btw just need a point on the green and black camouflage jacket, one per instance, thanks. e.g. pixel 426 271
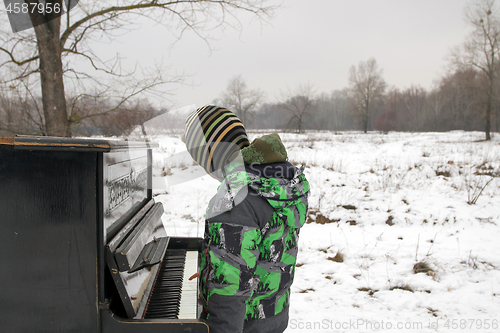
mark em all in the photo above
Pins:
pixel 250 247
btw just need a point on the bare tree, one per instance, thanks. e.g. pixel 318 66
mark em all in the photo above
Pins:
pixel 333 111
pixel 121 121
pixel 49 49
pixel 414 99
pixel 300 104
pixel 20 110
pixel 481 50
pixel 366 86
pixel 242 100
pixel 393 117
pixel 460 96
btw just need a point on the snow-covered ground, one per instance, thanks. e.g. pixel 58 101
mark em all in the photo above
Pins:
pixel 379 205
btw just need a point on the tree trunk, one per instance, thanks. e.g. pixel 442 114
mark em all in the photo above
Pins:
pixel 366 120
pixel 489 103
pixel 51 76
pixel 497 118
pixel 487 128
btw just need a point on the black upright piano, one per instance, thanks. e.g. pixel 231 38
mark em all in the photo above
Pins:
pixel 82 244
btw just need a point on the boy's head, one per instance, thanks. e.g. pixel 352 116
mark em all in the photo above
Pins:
pixel 212 135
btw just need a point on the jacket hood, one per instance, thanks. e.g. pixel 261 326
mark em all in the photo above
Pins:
pixel 264 150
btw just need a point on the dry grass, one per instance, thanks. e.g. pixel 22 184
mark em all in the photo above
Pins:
pixel 339 257
pixel 316 217
pixel 370 291
pixel 403 286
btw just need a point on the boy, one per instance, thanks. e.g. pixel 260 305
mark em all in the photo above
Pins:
pixel 252 223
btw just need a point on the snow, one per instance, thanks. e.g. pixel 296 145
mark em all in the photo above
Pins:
pixel 383 203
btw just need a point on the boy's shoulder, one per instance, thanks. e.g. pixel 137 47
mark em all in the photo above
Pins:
pixel 249 209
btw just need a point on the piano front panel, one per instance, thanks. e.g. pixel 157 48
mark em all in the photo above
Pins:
pixel 125 187
pixel 47 241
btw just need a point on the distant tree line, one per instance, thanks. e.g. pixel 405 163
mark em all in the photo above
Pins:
pixel 90 115
pixel 455 103
pixel 466 98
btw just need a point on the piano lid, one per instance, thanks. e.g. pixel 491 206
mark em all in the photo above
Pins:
pixel 72 144
pixel 125 250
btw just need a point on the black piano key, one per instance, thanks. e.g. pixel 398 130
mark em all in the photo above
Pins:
pixel 166 293
pixel 161 305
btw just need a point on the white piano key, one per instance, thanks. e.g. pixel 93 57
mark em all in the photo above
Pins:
pixel 189 296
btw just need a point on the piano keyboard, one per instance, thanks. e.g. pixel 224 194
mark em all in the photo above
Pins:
pixel 189 299
pixel 173 295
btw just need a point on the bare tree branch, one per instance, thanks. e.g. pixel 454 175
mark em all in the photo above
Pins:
pixel 366 85
pixel 300 103
pixel 481 49
pixel 69 37
pixel 241 100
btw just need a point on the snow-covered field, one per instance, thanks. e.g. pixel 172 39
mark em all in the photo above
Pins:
pixel 379 205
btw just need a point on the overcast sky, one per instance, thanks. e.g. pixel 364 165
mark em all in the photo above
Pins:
pixel 313 41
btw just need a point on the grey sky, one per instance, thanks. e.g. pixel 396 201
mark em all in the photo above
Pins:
pixel 314 41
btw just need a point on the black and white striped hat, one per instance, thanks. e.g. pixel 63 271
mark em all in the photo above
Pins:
pixel 212 134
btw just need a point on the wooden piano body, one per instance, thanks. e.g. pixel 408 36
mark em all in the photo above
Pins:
pixel 74 214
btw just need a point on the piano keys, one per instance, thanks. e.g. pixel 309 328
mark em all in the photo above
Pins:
pixel 188 307
pixel 173 294
pixel 167 292
pixel 82 242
